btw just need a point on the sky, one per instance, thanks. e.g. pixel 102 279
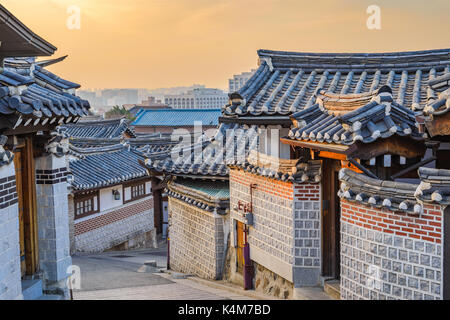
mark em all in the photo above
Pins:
pixel 163 43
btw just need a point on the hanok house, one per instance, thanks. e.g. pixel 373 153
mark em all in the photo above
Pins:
pixel 34 255
pixel 111 200
pixel 363 221
pixel 196 179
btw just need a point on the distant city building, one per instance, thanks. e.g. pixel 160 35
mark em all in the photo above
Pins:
pixel 239 80
pixel 199 98
pixel 150 104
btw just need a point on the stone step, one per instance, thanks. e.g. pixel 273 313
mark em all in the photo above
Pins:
pixel 333 288
pixel 31 289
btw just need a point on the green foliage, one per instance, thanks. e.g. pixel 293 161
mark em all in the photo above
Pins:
pixel 118 112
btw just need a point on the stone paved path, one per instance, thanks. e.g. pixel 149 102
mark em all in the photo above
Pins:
pixel 114 276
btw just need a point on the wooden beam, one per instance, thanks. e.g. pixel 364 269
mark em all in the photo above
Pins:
pixel 363 169
pixel 332 155
pixel 412 167
pixel 331 147
pixel 400 146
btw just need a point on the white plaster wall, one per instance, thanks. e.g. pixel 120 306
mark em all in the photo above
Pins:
pixel 107 199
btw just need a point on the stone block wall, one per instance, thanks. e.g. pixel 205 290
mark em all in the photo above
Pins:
pixel 113 227
pixel 53 222
pixel 10 277
pixel 197 240
pixel 391 255
pixel 307 228
pixel 285 235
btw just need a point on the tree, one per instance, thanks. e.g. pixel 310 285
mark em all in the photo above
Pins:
pixel 118 112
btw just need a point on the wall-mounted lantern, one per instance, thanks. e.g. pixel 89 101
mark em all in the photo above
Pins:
pixel 116 194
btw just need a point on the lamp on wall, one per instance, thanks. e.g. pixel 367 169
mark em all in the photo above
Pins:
pixel 116 194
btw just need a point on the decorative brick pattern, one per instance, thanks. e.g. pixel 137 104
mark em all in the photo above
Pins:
pixel 109 217
pixel 386 255
pixel 307 225
pixel 273 225
pixel 196 240
pixel 8 192
pixel 286 224
pixel 51 176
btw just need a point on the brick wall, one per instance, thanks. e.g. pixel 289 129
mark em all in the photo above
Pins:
pixel 10 277
pixel 285 236
pixel 390 255
pixel 113 227
pixel 196 240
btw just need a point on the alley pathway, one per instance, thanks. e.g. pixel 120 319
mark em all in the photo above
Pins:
pixel 114 276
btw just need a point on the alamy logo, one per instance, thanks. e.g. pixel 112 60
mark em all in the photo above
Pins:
pixel 374 20
pixel 74 20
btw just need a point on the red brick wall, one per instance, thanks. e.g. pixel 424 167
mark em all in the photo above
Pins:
pixel 113 216
pixel 427 226
pixel 307 192
pixel 270 186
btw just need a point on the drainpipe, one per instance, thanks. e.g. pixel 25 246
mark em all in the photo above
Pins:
pixel 248 266
pixel 168 251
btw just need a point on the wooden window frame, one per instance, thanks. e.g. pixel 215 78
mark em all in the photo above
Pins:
pixel 82 198
pixel 135 184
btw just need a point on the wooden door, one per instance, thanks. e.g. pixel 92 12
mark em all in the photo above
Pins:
pixel 26 193
pixel 19 178
pixel 331 219
pixel 240 237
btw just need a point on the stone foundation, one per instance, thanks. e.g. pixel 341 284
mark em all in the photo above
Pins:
pixel 130 226
pixel 270 283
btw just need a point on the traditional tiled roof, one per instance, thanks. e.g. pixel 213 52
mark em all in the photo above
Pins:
pixel 177 117
pixel 105 129
pixel 285 170
pixel 365 118
pixel 395 196
pixel 439 104
pixel 105 166
pixel 31 94
pixel 206 195
pixel 435 186
pixel 230 145
pixel 287 82
pixel 18 40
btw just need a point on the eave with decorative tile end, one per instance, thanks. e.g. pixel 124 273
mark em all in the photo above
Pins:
pixel 393 196
pixel 281 169
pixel 6 156
pixel 31 96
pixel 207 159
pixel 434 186
pixel 436 113
pixel 334 120
pixel 206 195
pixel 288 82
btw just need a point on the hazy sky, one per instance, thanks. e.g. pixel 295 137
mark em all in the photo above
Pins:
pixel 161 43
